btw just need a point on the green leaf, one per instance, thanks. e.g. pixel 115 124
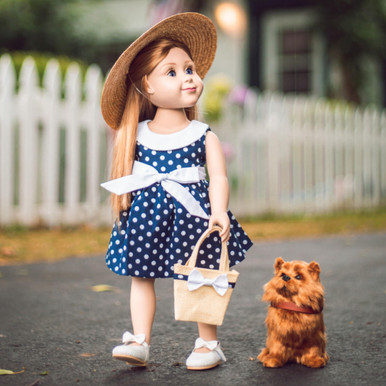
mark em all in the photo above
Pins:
pixel 9 372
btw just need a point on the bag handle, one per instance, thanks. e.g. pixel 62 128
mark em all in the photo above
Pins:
pixel 224 259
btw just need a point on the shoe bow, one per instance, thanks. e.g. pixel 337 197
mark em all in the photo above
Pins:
pixel 130 338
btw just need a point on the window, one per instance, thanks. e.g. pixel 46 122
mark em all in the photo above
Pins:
pixel 292 54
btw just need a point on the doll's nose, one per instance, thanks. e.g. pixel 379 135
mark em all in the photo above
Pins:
pixel 286 278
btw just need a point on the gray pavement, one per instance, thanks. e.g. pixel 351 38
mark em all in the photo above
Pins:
pixel 59 330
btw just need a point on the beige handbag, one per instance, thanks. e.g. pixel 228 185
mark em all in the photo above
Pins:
pixel 202 294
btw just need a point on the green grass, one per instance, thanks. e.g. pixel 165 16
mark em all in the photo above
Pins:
pixel 19 244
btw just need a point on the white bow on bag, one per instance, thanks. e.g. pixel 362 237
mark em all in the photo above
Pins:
pixel 197 280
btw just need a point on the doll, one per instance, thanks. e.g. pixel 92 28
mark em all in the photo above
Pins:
pixel 160 194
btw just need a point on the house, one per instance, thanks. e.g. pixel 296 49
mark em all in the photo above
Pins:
pixel 287 54
pixel 267 44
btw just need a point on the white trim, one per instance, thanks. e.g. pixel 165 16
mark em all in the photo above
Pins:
pixel 191 133
pixel 272 23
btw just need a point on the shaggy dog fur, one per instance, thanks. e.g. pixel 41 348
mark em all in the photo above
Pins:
pixel 295 327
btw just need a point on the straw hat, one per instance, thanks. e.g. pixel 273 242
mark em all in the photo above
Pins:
pixel 196 31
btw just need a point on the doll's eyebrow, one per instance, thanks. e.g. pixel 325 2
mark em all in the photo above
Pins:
pixel 172 64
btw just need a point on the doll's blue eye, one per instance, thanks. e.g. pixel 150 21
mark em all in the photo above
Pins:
pixel 171 73
pixel 189 71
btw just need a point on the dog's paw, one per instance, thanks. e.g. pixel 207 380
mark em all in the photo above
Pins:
pixel 264 353
pixel 314 361
pixel 272 361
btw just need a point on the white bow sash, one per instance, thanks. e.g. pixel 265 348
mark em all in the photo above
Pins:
pixel 144 175
pixel 197 280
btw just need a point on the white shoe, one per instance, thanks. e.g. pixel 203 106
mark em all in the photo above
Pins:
pixel 205 361
pixel 132 354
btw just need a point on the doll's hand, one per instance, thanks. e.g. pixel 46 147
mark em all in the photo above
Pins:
pixel 221 219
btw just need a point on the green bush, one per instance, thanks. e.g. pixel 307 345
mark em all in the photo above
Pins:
pixel 41 61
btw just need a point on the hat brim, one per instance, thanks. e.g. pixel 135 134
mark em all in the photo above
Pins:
pixel 195 30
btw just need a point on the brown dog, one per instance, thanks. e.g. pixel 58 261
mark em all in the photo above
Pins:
pixel 296 331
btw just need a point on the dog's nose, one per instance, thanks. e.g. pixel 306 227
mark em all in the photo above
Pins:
pixel 285 277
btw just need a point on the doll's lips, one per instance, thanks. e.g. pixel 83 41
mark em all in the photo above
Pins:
pixel 190 89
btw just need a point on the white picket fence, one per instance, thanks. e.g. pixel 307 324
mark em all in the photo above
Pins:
pixel 291 154
pixel 53 149
pixel 302 155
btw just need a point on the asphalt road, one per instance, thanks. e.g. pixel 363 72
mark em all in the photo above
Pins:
pixel 61 332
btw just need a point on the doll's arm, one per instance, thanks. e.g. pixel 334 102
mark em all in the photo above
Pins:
pixel 218 185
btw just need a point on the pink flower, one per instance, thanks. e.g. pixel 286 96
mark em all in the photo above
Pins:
pixel 238 95
pixel 229 150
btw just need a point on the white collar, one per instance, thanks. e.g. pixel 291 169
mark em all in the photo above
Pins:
pixel 184 137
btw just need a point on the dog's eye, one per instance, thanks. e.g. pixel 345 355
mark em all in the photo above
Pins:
pixel 298 277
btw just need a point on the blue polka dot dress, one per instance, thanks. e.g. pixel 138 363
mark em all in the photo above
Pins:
pixel 158 231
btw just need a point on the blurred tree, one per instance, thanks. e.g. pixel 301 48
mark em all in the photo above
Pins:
pixel 355 30
pixel 37 25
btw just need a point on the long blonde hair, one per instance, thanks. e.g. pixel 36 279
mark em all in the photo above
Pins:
pixel 138 108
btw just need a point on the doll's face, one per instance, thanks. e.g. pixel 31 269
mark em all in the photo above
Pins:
pixel 174 83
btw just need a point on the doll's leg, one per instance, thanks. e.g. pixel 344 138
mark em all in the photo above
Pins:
pixel 142 306
pixel 207 351
pixel 134 350
pixel 207 332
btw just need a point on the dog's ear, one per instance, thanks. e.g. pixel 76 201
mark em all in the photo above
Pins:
pixel 314 270
pixel 278 263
